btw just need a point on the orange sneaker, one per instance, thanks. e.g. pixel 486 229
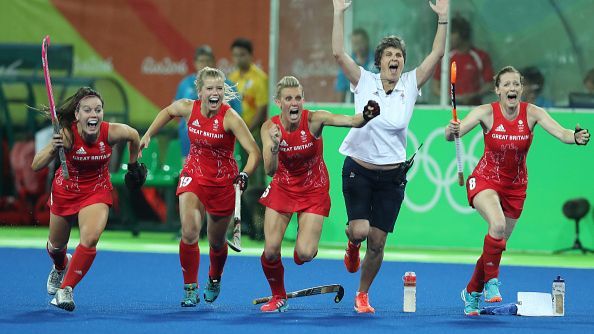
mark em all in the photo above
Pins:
pixel 362 303
pixel 276 304
pixel 351 257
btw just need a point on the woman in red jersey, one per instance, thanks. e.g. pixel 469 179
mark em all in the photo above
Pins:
pixel 86 195
pixel 293 155
pixel 497 186
pixel 206 182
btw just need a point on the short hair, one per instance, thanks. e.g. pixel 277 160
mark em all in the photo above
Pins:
pixel 287 82
pixel 362 32
pixel 203 50
pixel 533 74
pixel 386 42
pixel 506 69
pixel 461 26
pixel 243 43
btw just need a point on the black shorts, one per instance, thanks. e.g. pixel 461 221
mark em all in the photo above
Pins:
pixel 375 195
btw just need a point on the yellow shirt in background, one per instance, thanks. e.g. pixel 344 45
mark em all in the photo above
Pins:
pixel 253 87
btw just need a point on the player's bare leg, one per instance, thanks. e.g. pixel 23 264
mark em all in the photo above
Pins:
pixel 487 203
pixel 376 240
pixel 308 237
pixel 59 234
pixel 91 221
pixel 191 214
pixel 275 226
pixel 217 231
pixel 356 231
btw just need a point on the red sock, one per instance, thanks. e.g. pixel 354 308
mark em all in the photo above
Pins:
pixel 58 256
pixel 275 274
pixel 477 282
pixel 81 262
pixel 189 258
pixel 492 250
pixel 297 259
pixel 217 262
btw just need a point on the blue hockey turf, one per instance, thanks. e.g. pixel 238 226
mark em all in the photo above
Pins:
pixel 140 293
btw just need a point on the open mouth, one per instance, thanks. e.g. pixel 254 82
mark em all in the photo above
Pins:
pixel 393 68
pixel 294 113
pixel 512 97
pixel 92 124
pixel 213 101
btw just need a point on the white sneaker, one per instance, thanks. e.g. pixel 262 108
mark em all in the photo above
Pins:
pixel 64 299
pixel 55 278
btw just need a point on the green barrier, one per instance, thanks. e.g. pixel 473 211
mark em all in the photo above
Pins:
pixel 436 212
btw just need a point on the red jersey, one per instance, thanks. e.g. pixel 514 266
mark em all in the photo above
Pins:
pixel 301 168
pixel 506 148
pixel 88 164
pixel 211 161
pixel 473 68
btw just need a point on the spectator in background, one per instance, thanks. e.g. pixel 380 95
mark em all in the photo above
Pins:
pixel 252 84
pixel 204 57
pixel 362 56
pixel 475 71
pixel 533 84
pixel 589 81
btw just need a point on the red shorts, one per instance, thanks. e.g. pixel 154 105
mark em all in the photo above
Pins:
pixel 283 201
pixel 512 200
pixel 66 203
pixel 217 200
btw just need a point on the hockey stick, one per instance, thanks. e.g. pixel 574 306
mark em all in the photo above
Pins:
pixel 52 104
pixel 455 117
pixel 318 290
pixel 235 244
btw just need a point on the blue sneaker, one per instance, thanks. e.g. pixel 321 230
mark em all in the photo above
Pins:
pixel 491 291
pixel 471 302
pixel 212 290
pixel 190 295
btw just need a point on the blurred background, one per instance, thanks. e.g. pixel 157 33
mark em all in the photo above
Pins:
pixel 136 53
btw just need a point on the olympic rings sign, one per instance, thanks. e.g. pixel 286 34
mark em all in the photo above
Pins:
pixel 442 180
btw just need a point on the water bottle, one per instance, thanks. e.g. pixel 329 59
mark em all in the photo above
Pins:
pixel 410 291
pixel 559 297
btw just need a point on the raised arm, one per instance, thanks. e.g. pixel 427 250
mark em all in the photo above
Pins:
pixel 425 70
pixel 320 118
pixel 476 116
pixel 124 133
pixel 567 136
pixel 271 137
pixel 235 124
pixel 179 108
pixel 349 67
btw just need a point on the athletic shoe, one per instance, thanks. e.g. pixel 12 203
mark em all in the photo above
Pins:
pixel 351 258
pixel 64 299
pixel 362 303
pixel 471 302
pixel 55 278
pixel 190 295
pixel 491 291
pixel 212 290
pixel 276 304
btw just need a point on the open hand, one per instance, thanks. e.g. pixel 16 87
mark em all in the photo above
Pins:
pixel 440 8
pixel 341 5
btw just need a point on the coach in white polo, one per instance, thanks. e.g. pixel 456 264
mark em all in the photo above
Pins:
pixel 373 174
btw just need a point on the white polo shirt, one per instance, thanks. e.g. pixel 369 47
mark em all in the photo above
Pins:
pixel 382 141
